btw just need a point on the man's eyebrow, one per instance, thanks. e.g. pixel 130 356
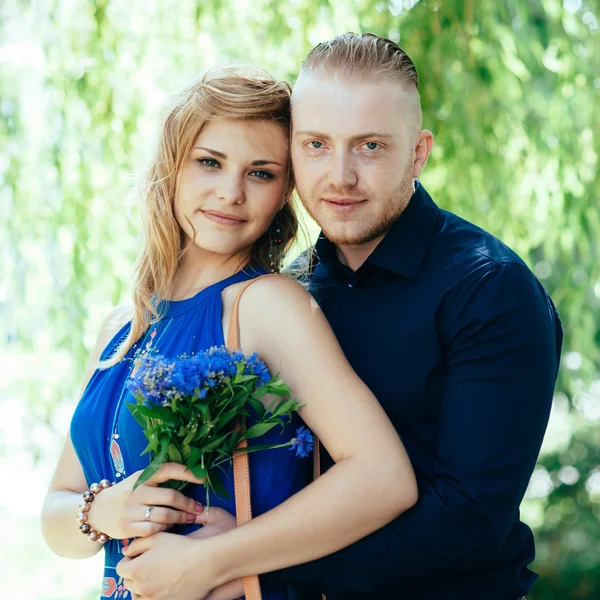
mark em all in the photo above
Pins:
pixel 360 136
pixel 255 163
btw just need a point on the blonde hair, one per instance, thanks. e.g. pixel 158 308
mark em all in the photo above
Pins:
pixel 368 57
pixel 237 93
pixel 362 54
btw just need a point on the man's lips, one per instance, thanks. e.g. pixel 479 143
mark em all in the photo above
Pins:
pixel 343 206
pixel 222 218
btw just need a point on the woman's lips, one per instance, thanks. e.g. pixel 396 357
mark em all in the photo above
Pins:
pixel 222 218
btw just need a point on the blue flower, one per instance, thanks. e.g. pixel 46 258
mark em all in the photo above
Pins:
pixel 151 378
pixel 255 366
pixel 222 361
pixel 159 380
pixel 303 443
pixel 189 374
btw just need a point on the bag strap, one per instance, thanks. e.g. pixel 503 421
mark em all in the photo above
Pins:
pixel 241 468
pixel 317 471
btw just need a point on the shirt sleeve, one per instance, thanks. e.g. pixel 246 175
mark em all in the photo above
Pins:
pixel 502 338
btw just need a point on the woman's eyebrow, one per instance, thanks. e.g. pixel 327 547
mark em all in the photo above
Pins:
pixel 260 163
pixel 213 152
pixel 255 163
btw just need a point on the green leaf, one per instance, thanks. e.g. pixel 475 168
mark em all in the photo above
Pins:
pixel 216 442
pixel 193 458
pixel 259 429
pixel 152 445
pixel 263 390
pixel 174 454
pixel 158 412
pixel 243 378
pixel 199 471
pixel 154 466
pixel 227 418
pixel 258 407
pixel 216 484
pixel 139 418
pixel 284 408
pixel 204 411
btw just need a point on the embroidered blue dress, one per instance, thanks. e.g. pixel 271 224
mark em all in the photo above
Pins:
pixel 109 442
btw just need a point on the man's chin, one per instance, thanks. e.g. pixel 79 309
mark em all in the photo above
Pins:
pixel 350 238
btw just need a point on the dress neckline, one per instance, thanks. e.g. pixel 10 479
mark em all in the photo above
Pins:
pixel 174 308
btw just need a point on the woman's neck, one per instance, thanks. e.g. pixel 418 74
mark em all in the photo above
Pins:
pixel 199 269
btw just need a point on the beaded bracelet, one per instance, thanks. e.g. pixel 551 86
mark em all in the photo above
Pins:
pixel 84 508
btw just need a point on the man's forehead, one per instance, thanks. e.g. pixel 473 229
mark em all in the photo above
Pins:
pixel 347 105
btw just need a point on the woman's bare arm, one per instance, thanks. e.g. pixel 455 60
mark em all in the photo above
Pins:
pixel 116 511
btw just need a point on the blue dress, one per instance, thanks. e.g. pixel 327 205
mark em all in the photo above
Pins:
pixel 109 442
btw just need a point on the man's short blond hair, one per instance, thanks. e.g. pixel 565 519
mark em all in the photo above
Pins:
pixel 362 54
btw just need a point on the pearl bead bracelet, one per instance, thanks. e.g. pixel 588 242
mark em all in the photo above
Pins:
pixel 84 508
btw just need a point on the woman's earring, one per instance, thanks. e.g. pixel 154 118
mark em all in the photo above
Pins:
pixel 275 255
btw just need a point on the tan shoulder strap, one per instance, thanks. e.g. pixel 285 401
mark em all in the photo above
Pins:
pixel 241 469
pixel 317 471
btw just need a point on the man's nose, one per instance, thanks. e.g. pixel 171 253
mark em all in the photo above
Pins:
pixel 342 171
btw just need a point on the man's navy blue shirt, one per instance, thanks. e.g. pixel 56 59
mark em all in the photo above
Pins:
pixel 460 343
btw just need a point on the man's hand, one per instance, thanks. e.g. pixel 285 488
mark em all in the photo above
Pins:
pixel 167 566
pixel 215 521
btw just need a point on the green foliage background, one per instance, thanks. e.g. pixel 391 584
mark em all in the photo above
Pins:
pixel 511 90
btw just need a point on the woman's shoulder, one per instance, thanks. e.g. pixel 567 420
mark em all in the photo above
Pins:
pixel 117 317
pixel 115 320
pixel 277 304
pixel 274 290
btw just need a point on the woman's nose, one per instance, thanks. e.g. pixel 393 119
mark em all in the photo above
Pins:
pixel 232 191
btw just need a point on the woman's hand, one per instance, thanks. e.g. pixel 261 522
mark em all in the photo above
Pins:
pixel 120 512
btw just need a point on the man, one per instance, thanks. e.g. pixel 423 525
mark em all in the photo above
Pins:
pixel 446 325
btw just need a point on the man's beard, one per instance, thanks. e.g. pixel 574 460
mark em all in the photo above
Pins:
pixel 393 208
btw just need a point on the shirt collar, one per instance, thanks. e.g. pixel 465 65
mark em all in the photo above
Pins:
pixel 403 249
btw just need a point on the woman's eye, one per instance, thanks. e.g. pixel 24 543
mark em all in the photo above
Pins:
pixel 371 145
pixel 315 145
pixel 265 175
pixel 209 162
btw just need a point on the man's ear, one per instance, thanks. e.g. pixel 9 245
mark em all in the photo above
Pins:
pixel 423 149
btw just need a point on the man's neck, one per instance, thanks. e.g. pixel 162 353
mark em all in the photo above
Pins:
pixel 354 256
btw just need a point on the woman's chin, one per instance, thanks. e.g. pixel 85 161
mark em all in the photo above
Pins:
pixel 223 248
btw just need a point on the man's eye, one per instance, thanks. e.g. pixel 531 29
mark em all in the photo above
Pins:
pixel 315 145
pixel 371 145
pixel 260 174
pixel 209 162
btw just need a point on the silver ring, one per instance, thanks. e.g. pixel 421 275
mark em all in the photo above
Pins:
pixel 148 511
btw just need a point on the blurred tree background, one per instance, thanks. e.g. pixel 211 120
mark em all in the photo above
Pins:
pixel 510 88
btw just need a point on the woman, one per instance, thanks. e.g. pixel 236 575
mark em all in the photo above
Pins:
pixel 216 215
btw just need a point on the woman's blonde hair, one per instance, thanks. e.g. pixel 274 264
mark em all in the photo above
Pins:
pixel 237 93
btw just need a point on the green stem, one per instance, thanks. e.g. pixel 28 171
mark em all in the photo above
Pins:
pixel 249 449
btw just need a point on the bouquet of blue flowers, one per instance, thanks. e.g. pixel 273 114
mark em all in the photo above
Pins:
pixel 191 408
